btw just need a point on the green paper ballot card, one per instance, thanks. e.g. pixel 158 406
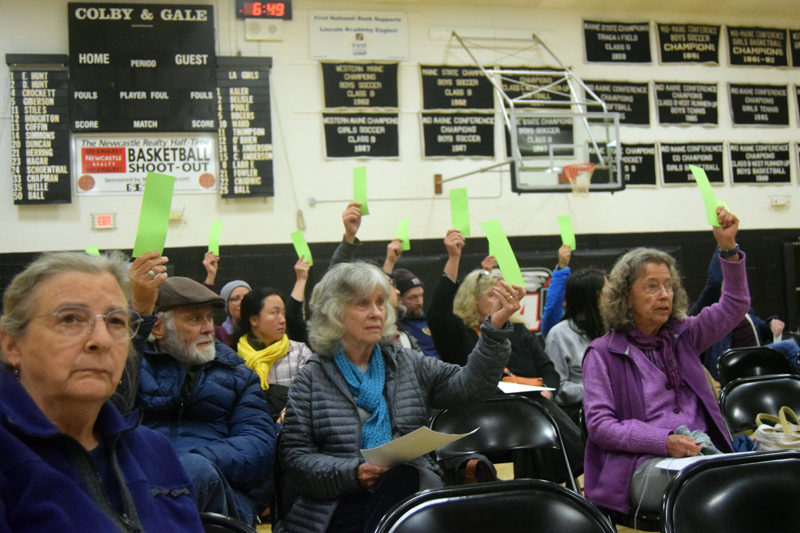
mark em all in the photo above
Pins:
pixel 93 250
pixel 154 214
pixel 402 234
pixel 301 247
pixel 360 188
pixel 501 250
pixel 567 234
pixel 710 201
pixel 213 236
pixel 459 210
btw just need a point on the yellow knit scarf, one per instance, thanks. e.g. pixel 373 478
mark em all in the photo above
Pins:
pixel 262 360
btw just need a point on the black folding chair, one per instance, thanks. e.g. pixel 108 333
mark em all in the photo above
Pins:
pixel 499 507
pixel 752 492
pixel 750 361
pixel 218 523
pixel 742 399
pixel 506 424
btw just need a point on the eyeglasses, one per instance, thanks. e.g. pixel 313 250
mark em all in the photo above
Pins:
pixel 653 287
pixel 79 321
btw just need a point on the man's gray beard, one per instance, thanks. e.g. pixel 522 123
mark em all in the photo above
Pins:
pixel 187 354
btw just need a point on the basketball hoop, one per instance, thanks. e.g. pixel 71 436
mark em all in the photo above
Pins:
pixel 579 176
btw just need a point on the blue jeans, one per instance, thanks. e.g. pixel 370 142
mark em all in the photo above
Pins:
pixel 212 490
pixel 787 347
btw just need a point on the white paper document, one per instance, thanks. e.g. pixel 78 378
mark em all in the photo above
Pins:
pixel 510 388
pixel 675 464
pixel 409 446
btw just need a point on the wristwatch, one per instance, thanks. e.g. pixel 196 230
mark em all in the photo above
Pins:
pixel 729 253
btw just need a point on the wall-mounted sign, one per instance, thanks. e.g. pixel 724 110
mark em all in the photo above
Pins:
pixel 245 127
pixel 794 46
pixel 757 46
pixel 688 43
pixel 360 84
pixel 142 67
pixel 535 87
pixel 455 87
pixel 361 134
pixel 686 103
pixel 458 134
pixel 638 165
pixel 616 42
pixel 630 100
pixel 119 163
pixel 39 128
pixel 359 35
pixel 759 104
pixel 760 163
pixel 676 158
pixel 543 137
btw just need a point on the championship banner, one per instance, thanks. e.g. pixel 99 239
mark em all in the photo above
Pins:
pixel 118 164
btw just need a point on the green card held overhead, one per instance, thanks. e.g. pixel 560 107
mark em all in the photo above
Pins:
pixel 459 210
pixel 154 214
pixel 402 234
pixel 567 234
pixel 501 250
pixel 301 246
pixel 93 250
pixel 213 236
pixel 360 188
pixel 710 201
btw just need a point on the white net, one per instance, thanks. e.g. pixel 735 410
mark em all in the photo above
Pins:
pixel 579 176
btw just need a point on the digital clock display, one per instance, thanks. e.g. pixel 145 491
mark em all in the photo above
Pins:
pixel 264 10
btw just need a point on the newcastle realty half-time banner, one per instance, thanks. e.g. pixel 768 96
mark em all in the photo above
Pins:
pixel 118 164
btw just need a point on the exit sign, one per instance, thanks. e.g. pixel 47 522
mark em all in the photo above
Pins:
pixel 104 221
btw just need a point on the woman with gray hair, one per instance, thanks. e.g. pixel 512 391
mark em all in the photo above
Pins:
pixel 361 390
pixel 69 461
pixel 646 396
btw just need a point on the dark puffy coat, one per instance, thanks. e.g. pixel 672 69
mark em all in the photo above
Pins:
pixel 222 415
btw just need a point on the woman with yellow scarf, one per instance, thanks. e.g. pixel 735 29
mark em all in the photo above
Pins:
pixel 265 347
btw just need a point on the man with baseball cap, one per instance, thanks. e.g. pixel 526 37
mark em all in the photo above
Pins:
pixel 412 299
pixel 199 393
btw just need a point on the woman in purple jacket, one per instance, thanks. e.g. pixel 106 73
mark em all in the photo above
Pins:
pixel 646 396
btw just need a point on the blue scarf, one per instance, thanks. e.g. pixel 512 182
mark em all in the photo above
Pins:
pixel 368 390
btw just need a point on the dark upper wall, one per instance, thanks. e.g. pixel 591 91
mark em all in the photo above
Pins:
pixel 272 265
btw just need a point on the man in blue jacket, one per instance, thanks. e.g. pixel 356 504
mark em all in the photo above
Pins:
pixel 200 394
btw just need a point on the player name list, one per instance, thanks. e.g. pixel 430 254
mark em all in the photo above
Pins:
pixel 39 136
pixel 245 134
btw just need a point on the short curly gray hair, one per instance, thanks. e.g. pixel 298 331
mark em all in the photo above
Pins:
pixel 614 301
pixel 344 283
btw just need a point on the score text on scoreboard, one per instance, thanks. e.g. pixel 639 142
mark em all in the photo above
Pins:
pixel 264 10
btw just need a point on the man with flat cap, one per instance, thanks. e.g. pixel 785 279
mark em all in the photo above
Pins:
pixel 199 393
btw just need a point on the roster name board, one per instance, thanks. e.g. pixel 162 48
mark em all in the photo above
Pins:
pixel 535 87
pixel 455 87
pixel 637 161
pixel 686 103
pixel 757 46
pixel 760 104
pixel 360 84
pixel 794 46
pixel 142 67
pixel 537 137
pixel 688 43
pixel 39 129
pixel 361 134
pixel 676 158
pixel 616 42
pixel 630 100
pixel 760 163
pixel 245 127
pixel 458 134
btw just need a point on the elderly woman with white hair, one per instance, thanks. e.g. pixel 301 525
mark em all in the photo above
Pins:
pixel 361 390
pixel 69 461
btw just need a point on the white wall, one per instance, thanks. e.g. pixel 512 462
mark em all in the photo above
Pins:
pixel 404 187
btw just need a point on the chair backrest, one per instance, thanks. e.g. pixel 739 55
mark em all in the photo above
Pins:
pixel 505 423
pixel 499 507
pixel 218 523
pixel 742 399
pixel 752 492
pixel 750 361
